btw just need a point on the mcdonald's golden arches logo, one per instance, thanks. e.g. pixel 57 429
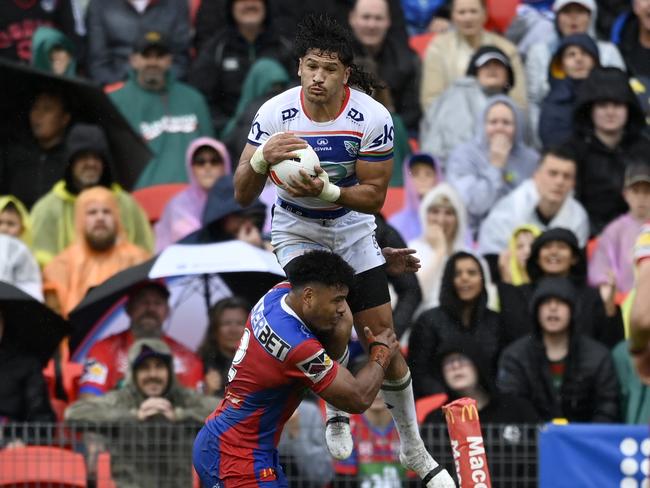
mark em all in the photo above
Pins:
pixel 469 411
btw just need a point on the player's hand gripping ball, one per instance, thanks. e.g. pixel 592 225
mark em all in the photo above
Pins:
pixel 282 172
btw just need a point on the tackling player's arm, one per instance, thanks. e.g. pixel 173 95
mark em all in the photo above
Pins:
pixel 251 173
pixel 355 394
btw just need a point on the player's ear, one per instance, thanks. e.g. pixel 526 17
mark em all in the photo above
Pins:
pixel 307 295
pixel 346 76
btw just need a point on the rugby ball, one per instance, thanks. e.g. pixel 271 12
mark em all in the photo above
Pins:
pixel 282 172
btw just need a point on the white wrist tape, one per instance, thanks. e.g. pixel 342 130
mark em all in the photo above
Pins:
pixel 257 162
pixel 330 192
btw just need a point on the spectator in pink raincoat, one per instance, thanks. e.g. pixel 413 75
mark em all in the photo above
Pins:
pixel 206 160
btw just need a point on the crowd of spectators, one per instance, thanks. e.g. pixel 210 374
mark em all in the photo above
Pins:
pixel 522 157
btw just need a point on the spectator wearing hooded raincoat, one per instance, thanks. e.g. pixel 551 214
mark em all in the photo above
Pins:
pixel 15 219
pixel 52 51
pixel 420 173
pixel 495 162
pixel 462 315
pixel 443 219
pixel 575 57
pixel 53 215
pixel 608 131
pixel 100 249
pixel 206 161
pixel 571 17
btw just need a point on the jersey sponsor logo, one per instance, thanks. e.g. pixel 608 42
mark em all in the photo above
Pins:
pixel 355 115
pixel 383 138
pixel 317 366
pixel 352 147
pixel 272 342
pixel 94 372
pixel 322 142
pixel 289 114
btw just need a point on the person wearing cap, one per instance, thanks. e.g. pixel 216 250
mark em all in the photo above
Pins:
pixel 166 112
pixel 562 372
pixel 556 253
pixel 107 360
pixel 612 261
pixel 571 17
pixel 576 56
pixel 544 200
pixel 607 134
pixel 152 397
pixel 448 55
pixel 99 250
pixel 397 64
pixel 420 174
pixel 450 119
pixel 494 162
pixel 114 26
pixel 631 33
pixel 88 159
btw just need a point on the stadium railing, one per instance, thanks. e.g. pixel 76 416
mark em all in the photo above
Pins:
pixel 158 454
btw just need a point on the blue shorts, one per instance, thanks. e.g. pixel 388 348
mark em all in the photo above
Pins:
pixel 208 460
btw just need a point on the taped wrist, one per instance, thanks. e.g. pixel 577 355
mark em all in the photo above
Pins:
pixel 379 353
pixel 330 192
pixel 257 162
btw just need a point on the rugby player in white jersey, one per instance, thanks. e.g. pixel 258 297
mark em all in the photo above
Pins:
pixel 353 137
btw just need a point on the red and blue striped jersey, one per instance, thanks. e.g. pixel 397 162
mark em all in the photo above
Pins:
pixel 278 360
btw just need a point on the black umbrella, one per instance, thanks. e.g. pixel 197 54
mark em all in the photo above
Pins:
pixel 202 273
pixel 29 325
pixel 87 102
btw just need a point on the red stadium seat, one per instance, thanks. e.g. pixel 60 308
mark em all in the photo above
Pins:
pixel 420 42
pixel 394 201
pixel 154 198
pixel 424 406
pixel 104 477
pixel 34 466
pixel 500 14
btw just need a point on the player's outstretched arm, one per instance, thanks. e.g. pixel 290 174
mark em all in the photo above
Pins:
pixel 354 394
pixel 252 170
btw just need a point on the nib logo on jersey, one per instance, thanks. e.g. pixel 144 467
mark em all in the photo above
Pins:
pixel 316 367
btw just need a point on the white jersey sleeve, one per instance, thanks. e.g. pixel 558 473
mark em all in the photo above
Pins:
pixel 377 140
pixel 265 123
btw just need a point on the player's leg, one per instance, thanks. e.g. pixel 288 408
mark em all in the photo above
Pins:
pixel 370 304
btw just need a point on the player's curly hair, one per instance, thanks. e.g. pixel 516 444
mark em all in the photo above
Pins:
pixel 323 267
pixel 323 33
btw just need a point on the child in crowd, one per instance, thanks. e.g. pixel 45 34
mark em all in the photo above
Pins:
pixel 512 261
pixel 612 261
pixel 14 219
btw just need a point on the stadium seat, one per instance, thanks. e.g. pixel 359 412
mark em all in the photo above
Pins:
pixel 420 42
pixel 104 477
pixel 500 14
pixel 425 405
pixel 154 198
pixel 393 202
pixel 34 466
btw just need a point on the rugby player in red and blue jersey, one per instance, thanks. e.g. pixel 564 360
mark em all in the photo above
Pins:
pixel 280 357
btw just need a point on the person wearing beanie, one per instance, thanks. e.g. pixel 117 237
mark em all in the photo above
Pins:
pixel 88 164
pixel 150 401
pixel 575 57
pixel 450 119
pixel 556 253
pixel 571 17
pixel 562 372
pixel 608 130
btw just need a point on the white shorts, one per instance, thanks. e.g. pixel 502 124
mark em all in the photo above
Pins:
pixel 351 236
